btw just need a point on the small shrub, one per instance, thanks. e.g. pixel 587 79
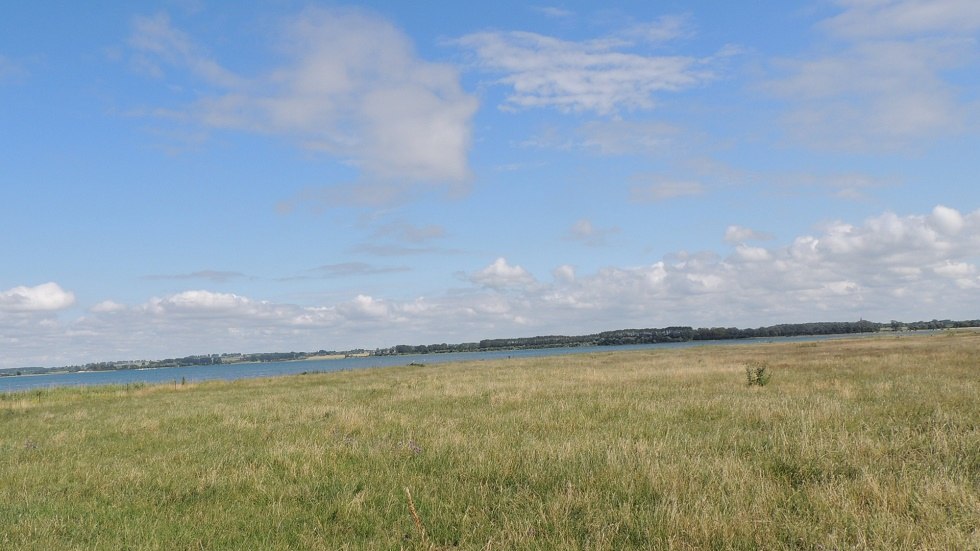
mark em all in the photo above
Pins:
pixel 758 374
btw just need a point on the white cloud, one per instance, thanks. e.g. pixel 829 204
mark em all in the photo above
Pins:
pixel 596 75
pixel 42 298
pixel 352 87
pixel 946 220
pixel 107 306
pixel 888 18
pixel 155 36
pixel 889 266
pixel 740 234
pixel 364 307
pixel 955 269
pixel 663 29
pixel 849 270
pixel 564 273
pixel 884 83
pixel 201 301
pixel 501 275
pixel 744 253
pixel 553 11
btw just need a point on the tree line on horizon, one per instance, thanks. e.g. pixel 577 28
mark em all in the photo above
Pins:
pixel 617 337
pixel 678 334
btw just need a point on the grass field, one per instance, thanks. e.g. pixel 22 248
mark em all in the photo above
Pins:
pixel 853 444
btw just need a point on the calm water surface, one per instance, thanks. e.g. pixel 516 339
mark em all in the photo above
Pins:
pixel 272 369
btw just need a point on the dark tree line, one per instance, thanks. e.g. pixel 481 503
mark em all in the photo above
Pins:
pixel 676 334
pixel 606 338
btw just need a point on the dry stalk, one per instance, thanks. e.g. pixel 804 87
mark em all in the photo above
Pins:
pixel 415 516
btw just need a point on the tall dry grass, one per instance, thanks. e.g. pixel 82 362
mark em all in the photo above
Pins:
pixel 867 443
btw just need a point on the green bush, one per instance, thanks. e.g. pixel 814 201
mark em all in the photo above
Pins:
pixel 758 374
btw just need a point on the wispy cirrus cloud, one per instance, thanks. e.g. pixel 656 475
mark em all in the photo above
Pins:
pixel 351 269
pixel 398 249
pixel 156 42
pixel 662 29
pixel 553 12
pixel 612 137
pixel 842 185
pixel 216 276
pixel 653 189
pixel 403 238
pixel 603 76
pixel 408 232
pixel 890 18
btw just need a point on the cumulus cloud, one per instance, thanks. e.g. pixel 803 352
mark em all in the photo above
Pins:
pixel 364 307
pixel 884 83
pixel 745 253
pixel 890 266
pixel 107 306
pixel 565 273
pixel 600 76
pixel 740 234
pixel 201 302
pixel 351 86
pixel 946 220
pixel 42 298
pixel 501 275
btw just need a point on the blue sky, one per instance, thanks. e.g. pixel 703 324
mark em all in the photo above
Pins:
pixel 187 177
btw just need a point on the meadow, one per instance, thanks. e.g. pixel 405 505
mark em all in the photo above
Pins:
pixel 870 443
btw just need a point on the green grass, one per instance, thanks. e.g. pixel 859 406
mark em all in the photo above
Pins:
pixel 868 443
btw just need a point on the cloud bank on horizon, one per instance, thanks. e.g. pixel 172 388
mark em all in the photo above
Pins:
pixel 229 178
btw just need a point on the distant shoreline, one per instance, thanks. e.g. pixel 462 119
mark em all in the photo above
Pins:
pixel 607 338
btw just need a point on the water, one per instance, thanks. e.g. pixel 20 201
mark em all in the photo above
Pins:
pixel 272 369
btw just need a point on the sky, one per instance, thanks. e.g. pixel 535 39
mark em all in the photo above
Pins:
pixel 191 177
